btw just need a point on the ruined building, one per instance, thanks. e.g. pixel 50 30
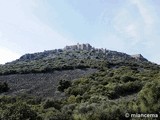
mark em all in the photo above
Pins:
pixel 79 47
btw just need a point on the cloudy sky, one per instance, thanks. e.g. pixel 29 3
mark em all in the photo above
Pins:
pixel 130 26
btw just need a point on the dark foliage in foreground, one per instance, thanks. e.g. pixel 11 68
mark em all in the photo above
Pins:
pixel 104 95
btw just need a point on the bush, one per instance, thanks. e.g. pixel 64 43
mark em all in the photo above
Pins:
pixel 117 90
pixel 7 100
pixel 128 88
pixel 71 99
pixel 19 111
pixel 4 87
pixel 76 91
pixel 126 78
pixel 52 103
pixel 63 84
pixel 149 97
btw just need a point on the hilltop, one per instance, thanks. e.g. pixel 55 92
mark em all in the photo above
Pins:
pixel 78 50
pixel 70 57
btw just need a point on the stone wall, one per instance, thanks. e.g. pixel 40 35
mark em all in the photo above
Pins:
pixel 79 47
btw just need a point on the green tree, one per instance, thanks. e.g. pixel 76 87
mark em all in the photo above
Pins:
pixel 63 84
pixel 4 87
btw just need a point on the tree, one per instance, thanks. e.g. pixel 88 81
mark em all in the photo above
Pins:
pixel 4 87
pixel 63 84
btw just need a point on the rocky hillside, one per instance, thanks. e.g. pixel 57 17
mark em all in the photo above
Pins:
pixel 79 51
pixel 40 84
pixel 79 82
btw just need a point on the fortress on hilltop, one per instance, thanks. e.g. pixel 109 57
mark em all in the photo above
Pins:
pixel 79 47
pixel 86 46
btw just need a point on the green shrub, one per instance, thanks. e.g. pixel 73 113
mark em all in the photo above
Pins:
pixel 7 100
pixel 128 88
pixel 149 97
pixel 76 91
pixel 19 111
pixel 4 87
pixel 52 103
pixel 126 78
pixel 63 84
pixel 71 99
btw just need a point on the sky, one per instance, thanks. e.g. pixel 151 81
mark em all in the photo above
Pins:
pixel 129 26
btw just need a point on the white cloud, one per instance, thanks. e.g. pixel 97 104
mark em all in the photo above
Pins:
pixel 7 55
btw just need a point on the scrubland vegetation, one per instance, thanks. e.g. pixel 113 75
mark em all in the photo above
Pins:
pixel 116 88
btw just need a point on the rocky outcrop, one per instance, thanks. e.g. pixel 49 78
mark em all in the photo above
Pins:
pixel 139 57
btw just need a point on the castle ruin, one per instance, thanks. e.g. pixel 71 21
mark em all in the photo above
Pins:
pixel 87 47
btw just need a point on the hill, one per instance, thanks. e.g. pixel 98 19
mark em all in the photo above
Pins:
pixel 71 57
pixel 79 82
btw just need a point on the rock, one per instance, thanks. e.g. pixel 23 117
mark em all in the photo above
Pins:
pixel 139 57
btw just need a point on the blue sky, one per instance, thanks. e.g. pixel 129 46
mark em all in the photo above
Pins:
pixel 130 26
